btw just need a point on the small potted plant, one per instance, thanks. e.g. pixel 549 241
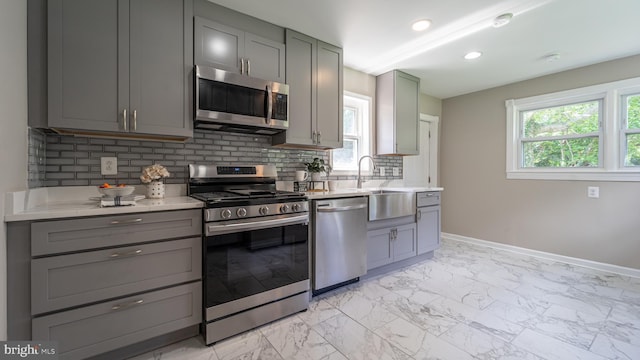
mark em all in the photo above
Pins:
pixel 316 167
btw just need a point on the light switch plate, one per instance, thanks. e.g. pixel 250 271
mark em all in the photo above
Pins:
pixel 593 192
pixel 109 165
pixel 382 171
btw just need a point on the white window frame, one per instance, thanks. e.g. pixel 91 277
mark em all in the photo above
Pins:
pixel 623 125
pixel 612 132
pixel 364 136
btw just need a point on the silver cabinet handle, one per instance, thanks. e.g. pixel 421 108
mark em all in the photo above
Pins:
pixel 248 67
pixel 319 137
pixel 314 137
pixel 241 66
pixel 135 120
pixel 125 254
pixel 126 305
pixel 419 214
pixel 267 119
pixel 124 222
pixel 124 120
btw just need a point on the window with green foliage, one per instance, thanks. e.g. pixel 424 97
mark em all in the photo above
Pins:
pixel 631 113
pixel 561 136
pixel 356 116
pixel 590 133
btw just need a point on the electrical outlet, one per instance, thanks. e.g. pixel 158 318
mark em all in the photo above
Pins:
pixel 396 171
pixel 382 171
pixel 109 165
pixel 593 191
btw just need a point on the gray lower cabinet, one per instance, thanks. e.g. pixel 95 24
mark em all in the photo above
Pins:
pixel 66 281
pixel 388 245
pixel 428 221
pixel 230 49
pixel 60 236
pixel 315 77
pixel 101 283
pixel 99 328
pixel 120 67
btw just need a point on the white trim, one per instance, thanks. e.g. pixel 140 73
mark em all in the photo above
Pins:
pixel 621 270
pixel 611 135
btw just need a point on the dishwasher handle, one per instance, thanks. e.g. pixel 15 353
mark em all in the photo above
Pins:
pixel 324 208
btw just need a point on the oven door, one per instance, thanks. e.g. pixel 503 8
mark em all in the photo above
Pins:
pixel 252 262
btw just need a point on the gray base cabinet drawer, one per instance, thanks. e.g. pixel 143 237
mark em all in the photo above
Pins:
pixel 51 237
pixel 65 281
pixel 96 329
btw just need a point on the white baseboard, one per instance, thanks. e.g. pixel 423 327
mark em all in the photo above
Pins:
pixel 621 270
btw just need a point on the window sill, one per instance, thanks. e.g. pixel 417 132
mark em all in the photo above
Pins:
pixel 575 175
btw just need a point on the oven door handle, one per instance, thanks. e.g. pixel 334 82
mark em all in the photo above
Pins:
pixel 216 229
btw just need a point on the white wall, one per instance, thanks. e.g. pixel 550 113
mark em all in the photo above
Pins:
pixel 13 122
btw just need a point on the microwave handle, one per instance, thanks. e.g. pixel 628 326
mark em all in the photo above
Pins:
pixel 269 105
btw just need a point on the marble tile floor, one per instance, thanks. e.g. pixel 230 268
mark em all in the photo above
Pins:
pixel 468 302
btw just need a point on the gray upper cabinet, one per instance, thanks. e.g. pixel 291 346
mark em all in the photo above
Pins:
pixel 397 114
pixel 230 49
pixel 120 66
pixel 315 77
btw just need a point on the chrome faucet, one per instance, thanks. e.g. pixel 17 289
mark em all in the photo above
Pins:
pixel 360 166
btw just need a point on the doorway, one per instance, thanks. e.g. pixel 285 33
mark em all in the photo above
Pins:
pixel 422 169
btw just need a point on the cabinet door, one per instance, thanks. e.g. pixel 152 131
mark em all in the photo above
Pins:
pixel 217 45
pixel 159 69
pixel 302 80
pixel 330 97
pixel 264 58
pixel 428 221
pixel 83 61
pixel 379 250
pixel 404 244
pixel 406 98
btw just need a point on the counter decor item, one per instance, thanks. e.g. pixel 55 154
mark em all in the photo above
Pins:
pixel 316 167
pixel 153 176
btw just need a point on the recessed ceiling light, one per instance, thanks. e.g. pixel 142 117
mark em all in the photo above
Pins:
pixel 473 55
pixel 502 20
pixel 421 25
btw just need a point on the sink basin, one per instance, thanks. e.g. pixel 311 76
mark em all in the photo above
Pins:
pixel 389 204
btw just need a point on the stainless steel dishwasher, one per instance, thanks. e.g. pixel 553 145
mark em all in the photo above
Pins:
pixel 339 242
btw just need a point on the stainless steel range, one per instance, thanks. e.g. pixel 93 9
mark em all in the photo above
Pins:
pixel 255 250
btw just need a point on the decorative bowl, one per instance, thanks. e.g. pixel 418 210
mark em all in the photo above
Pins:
pixel 117 191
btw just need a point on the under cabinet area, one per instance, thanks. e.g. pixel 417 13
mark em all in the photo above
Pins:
pixel 230 49
pixel 106 284
pixel 314 73
pixel 120 67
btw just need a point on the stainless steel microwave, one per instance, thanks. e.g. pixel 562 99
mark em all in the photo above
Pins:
pixel 228 101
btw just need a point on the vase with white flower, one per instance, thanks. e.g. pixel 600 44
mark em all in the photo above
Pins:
pixel 154 176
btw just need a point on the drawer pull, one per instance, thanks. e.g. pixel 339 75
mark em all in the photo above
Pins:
pixel 122 306
pixel 124 254
pixel 124 222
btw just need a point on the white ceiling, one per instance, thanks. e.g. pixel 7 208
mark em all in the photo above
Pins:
pixel 376 36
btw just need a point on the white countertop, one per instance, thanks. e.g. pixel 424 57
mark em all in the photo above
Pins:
pixel 73 201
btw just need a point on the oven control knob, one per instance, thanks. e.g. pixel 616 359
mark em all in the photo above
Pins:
pixel 295 207
pixel 242 212
pixel 284 208
pixel 263 210
pixel 226 213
